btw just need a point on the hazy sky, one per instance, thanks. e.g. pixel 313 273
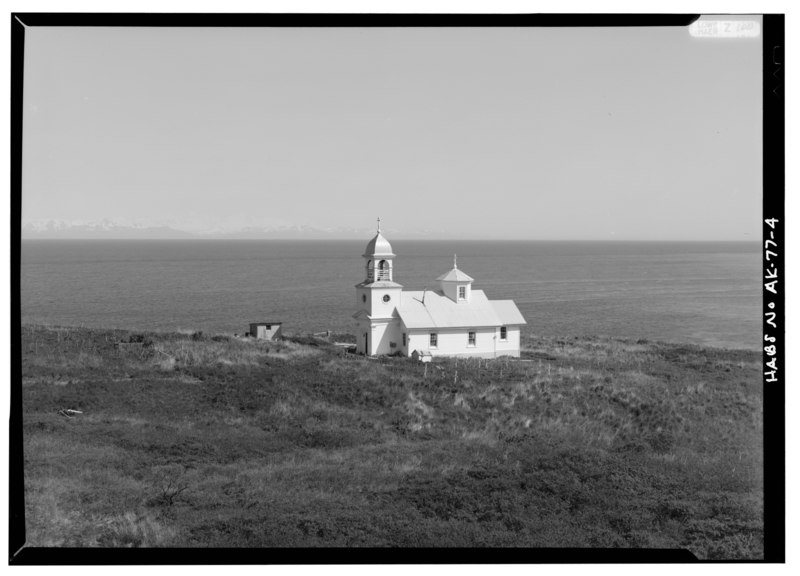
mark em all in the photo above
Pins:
pixel 640 133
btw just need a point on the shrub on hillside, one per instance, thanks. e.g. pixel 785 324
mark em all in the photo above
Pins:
pixel 132 530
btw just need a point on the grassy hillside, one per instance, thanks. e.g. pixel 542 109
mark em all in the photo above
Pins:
pixel 190 440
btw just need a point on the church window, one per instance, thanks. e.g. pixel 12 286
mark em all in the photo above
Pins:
pixel 471 339
pixel 404 339
pixel 462 292
pixel 363 297
pixel 386 298
pixel 434 339
pixel 503 333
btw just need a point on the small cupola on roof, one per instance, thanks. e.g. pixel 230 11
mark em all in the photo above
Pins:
pixel 378 255
pixel 455 284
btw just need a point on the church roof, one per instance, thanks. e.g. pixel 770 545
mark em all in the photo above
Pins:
pixel 363 314
pixel 379 284
pixel 439 311
pixel 507 312
pixel 378 246
pixel 455 275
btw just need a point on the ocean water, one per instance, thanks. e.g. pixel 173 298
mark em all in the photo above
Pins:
pixel 702 293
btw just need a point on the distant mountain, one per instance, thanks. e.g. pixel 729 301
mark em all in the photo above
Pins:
pixel 113 229
pixel 284 232
pixel 312 232
pixel 101 229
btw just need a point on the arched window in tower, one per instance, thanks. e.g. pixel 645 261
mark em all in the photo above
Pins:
pixel 383 270
pixel 369 270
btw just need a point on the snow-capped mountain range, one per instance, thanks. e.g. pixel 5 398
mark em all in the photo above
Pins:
pixel 104 228
pixel 161 230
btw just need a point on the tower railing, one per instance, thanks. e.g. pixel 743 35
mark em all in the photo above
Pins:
pixel 378 275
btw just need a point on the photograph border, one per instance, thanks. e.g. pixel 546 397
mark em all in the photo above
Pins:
pixel 772 31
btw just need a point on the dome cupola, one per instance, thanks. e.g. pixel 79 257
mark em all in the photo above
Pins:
pixel 379 255
pixel 379 246
pixel 455 284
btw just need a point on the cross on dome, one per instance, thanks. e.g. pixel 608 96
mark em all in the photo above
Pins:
pixel 379 246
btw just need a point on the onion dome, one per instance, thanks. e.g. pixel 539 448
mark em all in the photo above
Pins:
pixel 379 246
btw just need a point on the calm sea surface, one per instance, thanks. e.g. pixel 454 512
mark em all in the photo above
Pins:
pixel 704 293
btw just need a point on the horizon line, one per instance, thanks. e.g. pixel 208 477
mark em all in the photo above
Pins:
pixel 398 238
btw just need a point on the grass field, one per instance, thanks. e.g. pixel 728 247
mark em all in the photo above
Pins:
pixel 192 440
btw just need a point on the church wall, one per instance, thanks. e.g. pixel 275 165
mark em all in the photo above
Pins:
pixel 416 341
pixel 450 289
pixel 363 327
pixel 512 344
pixel 383 334
pixel 380 308
pixel 374 304
pixel 453 342
pixel 360 304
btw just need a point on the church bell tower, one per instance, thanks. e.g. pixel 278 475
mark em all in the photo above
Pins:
pixel 377 295
pixel 378 256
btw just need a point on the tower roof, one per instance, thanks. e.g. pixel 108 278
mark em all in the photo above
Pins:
pixel 378 246
pixel 455 275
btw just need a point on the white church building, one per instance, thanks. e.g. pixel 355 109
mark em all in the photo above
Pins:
pixel 455 320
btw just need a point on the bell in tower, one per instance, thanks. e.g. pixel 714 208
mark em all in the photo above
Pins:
pixel 378 255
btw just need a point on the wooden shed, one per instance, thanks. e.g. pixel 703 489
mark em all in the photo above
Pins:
pixel 421 356
pixel 265 330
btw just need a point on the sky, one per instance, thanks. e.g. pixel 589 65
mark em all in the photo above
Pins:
pixel 513 133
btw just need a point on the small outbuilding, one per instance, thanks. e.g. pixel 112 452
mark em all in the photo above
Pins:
pixel 265 330
pixel 421 356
